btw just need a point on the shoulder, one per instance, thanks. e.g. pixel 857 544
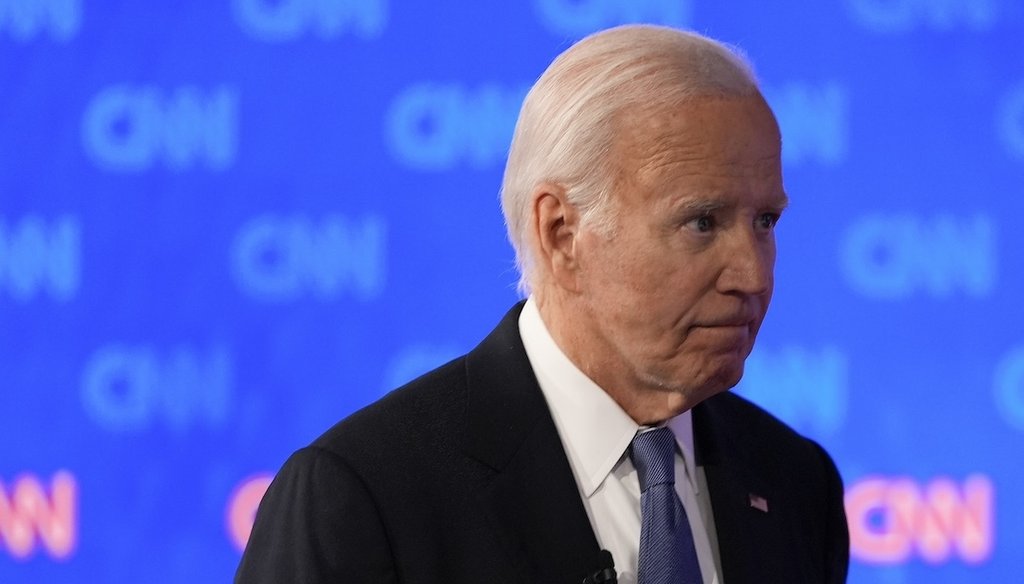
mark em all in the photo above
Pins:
pixel 350 489
pixel 427 410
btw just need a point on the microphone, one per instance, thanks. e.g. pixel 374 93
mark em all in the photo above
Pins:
pixel 605 575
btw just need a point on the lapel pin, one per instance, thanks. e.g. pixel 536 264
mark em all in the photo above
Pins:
pixel 758 502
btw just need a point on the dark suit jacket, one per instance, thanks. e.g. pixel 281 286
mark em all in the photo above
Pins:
pixel 460 477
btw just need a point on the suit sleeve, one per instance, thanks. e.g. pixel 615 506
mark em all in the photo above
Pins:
pixel 317 523
pixel 837 559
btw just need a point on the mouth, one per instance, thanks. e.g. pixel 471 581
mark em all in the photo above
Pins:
pixel 728 331
pixel 743 324
pixel 734 337
pixel 726 323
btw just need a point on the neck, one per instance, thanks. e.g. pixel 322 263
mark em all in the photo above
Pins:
pixel 646 402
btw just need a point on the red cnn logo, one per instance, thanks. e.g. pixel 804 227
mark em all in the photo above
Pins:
pixel 892 519
pixel 26 511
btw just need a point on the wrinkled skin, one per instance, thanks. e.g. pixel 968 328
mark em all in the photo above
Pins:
pixel 662 311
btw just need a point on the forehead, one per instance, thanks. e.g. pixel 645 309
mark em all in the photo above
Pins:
pixel 708 144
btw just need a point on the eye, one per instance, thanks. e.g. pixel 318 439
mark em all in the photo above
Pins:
pixel 766 221
pixel 703 224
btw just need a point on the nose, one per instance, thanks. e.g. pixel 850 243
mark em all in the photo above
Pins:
pixel 748 264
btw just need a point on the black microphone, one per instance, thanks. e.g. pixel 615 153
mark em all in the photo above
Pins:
pixel 606 575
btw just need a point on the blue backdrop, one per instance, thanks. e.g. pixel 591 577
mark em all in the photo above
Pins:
pixel 226 224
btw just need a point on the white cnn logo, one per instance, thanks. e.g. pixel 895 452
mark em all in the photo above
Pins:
pixel 134 128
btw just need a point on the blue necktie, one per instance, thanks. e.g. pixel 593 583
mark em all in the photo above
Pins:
pixel 667 554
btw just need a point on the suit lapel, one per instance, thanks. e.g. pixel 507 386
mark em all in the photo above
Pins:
pixel 532 498
pixel 747 525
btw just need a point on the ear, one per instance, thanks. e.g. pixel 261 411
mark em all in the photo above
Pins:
pixel 555 227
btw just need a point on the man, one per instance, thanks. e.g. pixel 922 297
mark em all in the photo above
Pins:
pixel 641 195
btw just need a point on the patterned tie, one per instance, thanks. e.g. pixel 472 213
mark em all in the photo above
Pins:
pixel 667 554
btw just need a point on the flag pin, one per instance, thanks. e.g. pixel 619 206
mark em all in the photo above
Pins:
pixel 758 502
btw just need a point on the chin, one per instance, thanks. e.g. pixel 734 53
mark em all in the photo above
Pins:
pixel 696 380
pixel 722 379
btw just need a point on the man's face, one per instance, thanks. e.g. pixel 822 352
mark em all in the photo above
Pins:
pixel 676 294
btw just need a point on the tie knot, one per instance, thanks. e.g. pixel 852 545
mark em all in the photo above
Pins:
pixel 654 456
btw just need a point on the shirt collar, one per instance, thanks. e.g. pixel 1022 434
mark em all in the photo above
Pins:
pixel 594 430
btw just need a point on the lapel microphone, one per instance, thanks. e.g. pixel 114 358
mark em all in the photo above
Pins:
pixel 605 575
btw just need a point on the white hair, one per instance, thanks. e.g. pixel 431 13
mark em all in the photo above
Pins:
pixel 566 128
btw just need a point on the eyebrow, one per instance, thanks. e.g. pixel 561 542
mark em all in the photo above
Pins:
pixel 701 205
pixel 697 204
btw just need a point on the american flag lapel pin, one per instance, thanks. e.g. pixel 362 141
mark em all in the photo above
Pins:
pixel 758 502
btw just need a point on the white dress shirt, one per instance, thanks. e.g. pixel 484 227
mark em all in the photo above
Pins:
pixel 596 434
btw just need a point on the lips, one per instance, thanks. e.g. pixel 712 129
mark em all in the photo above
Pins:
pixel 727 322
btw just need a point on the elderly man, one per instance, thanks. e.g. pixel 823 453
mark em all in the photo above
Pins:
pixel 641 195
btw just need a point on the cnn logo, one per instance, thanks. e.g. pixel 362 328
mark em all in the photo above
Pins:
pixel 893 519
pixel 31 518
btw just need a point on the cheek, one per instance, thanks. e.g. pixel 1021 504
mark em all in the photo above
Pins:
pixel 770 264
pixel 641 282
pixel 619 265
